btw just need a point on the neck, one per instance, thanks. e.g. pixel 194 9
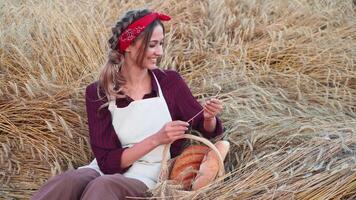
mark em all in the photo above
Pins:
pixel 134 76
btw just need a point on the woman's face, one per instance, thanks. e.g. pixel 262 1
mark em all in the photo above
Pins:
pixel 154 49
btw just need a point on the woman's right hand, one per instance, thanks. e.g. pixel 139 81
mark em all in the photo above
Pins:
pixel 171 131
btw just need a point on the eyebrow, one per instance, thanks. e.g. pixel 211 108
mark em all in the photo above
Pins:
pixel 156 40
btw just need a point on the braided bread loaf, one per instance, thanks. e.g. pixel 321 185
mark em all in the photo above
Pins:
pixel 187 164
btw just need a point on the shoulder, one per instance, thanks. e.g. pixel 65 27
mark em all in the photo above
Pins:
pixel 168 77
pixel 91 89
pixel 91 92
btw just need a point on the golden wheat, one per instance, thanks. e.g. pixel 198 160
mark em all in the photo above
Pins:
pixel 285 71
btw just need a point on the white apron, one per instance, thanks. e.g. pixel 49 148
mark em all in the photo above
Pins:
pixel 132 124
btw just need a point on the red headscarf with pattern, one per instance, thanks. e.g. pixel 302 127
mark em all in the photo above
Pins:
pixel 134 29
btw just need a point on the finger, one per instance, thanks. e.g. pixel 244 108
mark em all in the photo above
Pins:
pixel 176 134
pixel 178 128
pixel 179 123
pixel 215 104
pixel 209 114
pixel 214 100
pixel 213 107
pixel 212 110
pixel 179 136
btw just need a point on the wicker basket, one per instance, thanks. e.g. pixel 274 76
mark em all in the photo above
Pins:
pixel 167 188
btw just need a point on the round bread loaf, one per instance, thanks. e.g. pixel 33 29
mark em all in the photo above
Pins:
pixel 187 164
pixel 210 166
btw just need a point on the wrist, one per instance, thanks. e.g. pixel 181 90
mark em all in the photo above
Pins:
pixel 210 124
pixel 154 140
pixel 210 119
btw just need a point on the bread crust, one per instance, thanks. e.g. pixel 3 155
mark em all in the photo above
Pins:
pixel 186 165
pixel 209 167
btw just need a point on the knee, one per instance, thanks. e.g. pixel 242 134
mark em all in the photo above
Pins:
pixel 76 178
pixel 103 182
pixel 72 179
pixel 104 187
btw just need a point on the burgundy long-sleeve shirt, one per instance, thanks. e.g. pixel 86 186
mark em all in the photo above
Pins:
pixel 181 103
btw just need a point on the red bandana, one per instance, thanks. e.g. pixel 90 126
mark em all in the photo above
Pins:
pixel 134 29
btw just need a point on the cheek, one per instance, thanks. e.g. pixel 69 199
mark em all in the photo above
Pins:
pixel 149 52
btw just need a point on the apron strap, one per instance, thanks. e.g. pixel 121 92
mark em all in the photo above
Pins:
pixel 160 94
pixel 112 105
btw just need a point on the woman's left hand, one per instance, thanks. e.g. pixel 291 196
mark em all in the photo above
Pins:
pixel 212 108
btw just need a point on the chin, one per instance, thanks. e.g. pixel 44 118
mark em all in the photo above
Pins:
pixel 152 66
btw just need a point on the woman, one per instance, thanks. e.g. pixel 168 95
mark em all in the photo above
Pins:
pixel 133 110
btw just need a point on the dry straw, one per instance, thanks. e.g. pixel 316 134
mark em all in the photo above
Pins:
pixel 285 71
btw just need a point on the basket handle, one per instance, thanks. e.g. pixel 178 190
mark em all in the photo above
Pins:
pixel 200 139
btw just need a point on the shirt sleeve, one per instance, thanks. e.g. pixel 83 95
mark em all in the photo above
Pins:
pixel 104 142
pixel 188 107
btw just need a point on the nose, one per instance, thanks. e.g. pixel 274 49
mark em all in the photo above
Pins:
pixel 159 50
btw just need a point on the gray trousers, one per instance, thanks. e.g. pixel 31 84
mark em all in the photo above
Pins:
pixel 88 184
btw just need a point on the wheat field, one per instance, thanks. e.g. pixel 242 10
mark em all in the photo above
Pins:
pixel 285 71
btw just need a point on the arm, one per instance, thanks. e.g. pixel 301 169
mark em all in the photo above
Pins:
pixel 211 108
pixel 170 132
pixel 103 140
pixel 188 106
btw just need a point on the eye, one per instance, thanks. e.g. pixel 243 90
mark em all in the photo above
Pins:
pixel 152 44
